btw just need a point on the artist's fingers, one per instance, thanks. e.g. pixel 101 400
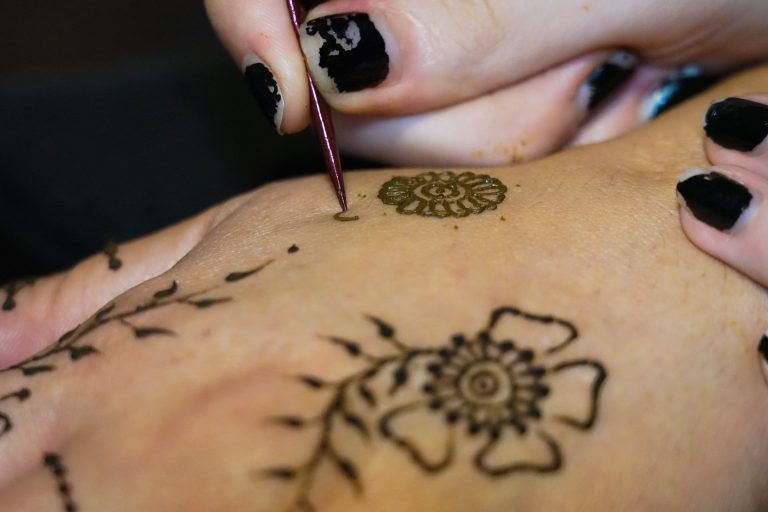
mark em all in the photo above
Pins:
pixel 404 57
pixel 517 123
pixel 260 37
pixel 34 314
pixel 395 57
pixel 724 213
pixel 653 92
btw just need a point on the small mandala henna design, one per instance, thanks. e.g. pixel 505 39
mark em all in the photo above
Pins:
pixel 494 388
pixel 443 194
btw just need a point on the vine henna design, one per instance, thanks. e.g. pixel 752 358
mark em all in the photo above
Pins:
pixel 72 342
pixel 53 462
pixel 444 194
pixel 494 391
pixel 11 289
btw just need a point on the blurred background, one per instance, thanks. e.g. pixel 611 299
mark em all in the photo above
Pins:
pixel 119 118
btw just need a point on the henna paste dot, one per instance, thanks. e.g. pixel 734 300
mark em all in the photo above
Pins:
pixel 341 218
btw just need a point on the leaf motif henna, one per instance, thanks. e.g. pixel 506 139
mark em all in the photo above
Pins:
pixel 71 342
pixel 11 289
pixel 487 386
pixel 110 251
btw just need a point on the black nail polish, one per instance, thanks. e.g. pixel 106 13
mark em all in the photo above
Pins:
pixel 609 77
pixel 265 90
pixel 736 123
pixel 763 347
pixel 676 88
pixel 353 52
pixel 715 199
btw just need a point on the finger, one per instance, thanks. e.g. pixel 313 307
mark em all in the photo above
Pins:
pixel 261 39
pixel 723 213
pixel 517 123
pixel 737 133
pixel 652 92
pixel 400 57
pixel 36 313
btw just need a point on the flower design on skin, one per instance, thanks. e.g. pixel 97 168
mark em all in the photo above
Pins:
pixel 497 387
pixel 444 194
pixel 496 393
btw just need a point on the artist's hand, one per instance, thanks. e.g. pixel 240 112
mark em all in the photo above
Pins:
pixel 724 209
pixel 429 68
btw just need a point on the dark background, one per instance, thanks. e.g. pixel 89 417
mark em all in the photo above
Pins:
pixel 119 118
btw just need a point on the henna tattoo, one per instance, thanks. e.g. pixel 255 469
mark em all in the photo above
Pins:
pixel 72 342
pixel 341 218
pixel 444 194
pixel 5 421
pixel 111 252
pixel 495 386
pixel 11 289
pixel 53 462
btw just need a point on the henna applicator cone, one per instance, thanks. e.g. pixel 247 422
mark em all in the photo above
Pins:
pixel 321 120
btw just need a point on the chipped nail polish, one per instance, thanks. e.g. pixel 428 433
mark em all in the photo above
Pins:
pixel 608 78
pixel 736 123
pixel 676 88
pixel 265 90
pixel 349 48
pixel 714 198
pixel 762 348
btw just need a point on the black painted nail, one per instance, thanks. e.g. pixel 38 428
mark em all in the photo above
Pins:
pixel 676 88
pixel 608 78
pixel 353 52
pixel 736 123
pixel 714 198
pixel 265 90
pixel 763 347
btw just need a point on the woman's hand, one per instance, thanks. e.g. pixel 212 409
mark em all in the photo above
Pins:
pixel 724 209
pixel 447 74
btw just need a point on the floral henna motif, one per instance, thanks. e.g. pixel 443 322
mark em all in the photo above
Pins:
pixel 498 388
pixel 72 344
pixel 444 194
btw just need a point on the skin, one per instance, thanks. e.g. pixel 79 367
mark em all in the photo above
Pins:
pixel 168 423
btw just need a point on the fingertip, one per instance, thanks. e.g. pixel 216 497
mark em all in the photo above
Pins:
pixel 722 213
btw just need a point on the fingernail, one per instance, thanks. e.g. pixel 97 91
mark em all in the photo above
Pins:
pixel 763 349
pixel 676 88
pixel 736 123
pixel 348 48
pixel 713 198
pixel 608 78
pixel 265 90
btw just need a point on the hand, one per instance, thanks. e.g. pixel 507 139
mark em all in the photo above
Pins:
pixel 724 211
pixel 479 82
pixel 190 393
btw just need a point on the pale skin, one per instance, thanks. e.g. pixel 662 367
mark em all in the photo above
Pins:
pixel 182 422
